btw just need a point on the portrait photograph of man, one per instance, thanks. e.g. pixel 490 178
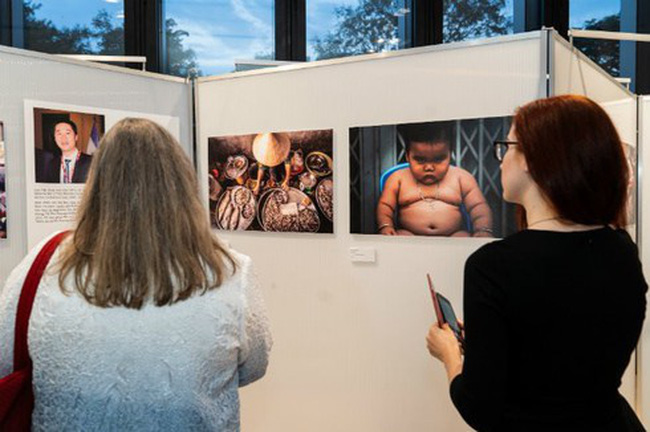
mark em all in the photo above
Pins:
pixel 64 143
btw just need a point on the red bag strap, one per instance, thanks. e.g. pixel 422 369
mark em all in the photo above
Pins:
pixel 26 301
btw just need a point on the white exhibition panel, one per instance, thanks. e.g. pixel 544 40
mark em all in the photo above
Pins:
pixel 26 75
pixel 643 359
pixel 575 73
pixel 349 349
pixel 624 116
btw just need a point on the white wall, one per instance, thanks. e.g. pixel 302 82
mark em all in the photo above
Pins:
pixel 624 115
pixel 350 352
pixel 29 75
pixel 575 73
pixel 644 182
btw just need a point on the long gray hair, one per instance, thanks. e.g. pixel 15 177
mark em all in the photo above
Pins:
pixel 142 234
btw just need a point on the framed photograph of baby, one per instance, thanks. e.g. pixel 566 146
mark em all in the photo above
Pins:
pixel 3 185
pixel 438 178
pixel 64 143
pixel 272 181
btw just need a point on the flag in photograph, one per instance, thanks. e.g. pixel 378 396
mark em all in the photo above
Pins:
pixel 93 141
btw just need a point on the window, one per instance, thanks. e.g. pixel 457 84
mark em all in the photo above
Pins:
pixel 340 28
pixel 471 19
pixel 74 26
pixel 601 15
pixel 211 35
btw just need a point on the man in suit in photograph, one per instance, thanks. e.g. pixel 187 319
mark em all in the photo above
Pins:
pixel 72 165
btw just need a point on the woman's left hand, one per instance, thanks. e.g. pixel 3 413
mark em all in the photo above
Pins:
pixel 442 343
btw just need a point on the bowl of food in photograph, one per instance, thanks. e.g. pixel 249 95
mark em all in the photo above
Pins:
pixel 325 197
pixel 288 210
pixel 214 187
pixel 235 209
pixel 319 164
pixel 307 181
pixel 236 167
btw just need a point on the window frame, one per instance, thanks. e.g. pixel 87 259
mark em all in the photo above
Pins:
pixel 144 29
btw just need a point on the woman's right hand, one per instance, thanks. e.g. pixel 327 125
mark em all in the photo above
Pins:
pixel 388 230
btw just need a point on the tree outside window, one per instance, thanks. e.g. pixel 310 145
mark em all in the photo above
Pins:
pixel 606 15
pixel 354 27
pixel 103 34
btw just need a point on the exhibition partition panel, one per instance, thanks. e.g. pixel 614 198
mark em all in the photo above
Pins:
pixel 643 351
pixel 624 115
pixel 349 312
pixel 574 73
pixel 39 88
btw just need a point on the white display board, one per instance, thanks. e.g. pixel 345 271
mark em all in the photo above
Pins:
pixel 574 73
pixel 26 75
pixel 624 116
pixel 644 204
pixel 349 348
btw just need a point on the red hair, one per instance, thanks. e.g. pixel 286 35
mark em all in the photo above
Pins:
pixel 576 157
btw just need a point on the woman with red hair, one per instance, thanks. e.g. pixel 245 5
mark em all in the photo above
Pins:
pixel 554 312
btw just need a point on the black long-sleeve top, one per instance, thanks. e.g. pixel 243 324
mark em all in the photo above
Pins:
pixel 551 320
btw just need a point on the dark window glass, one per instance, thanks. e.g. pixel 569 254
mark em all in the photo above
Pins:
pixel 600 15
pixel 472 19
pixel 210 36
pixel 340 28
pixel 74 26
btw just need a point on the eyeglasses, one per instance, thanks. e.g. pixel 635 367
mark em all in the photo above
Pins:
pixel 501 147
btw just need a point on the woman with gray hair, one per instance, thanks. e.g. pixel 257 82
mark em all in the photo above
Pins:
pixel 143 320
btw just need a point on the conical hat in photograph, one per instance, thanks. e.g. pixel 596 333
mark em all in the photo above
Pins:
pixel 271 149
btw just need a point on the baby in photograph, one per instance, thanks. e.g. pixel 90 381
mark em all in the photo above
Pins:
pixel 426 198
